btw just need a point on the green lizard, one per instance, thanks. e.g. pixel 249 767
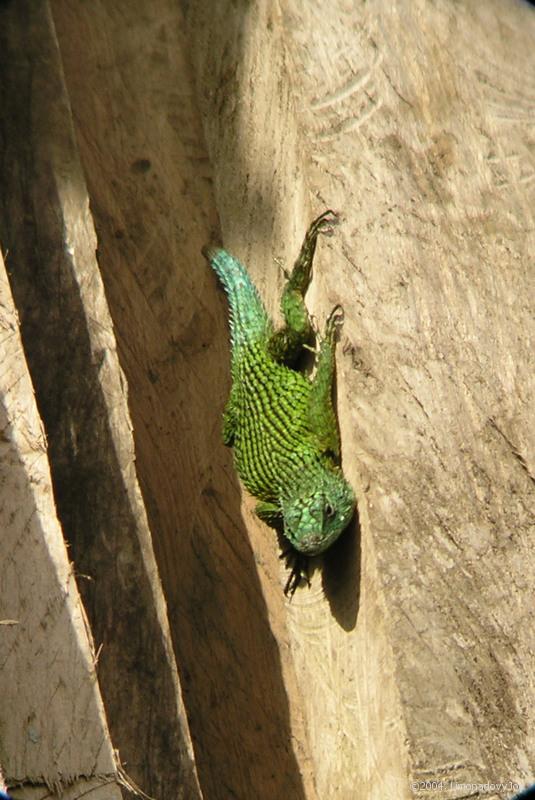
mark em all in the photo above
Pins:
pixel 280 422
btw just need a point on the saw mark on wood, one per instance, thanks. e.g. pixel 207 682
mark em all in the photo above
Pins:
pixel 514 450
pixel 352 123
pixel 356 82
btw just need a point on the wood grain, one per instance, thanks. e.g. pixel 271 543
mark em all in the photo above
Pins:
pixel 409 659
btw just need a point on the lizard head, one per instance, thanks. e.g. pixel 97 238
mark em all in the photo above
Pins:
pixel 316 515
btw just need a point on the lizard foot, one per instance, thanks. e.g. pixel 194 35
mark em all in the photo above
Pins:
pixel 334 321
pixel 323 224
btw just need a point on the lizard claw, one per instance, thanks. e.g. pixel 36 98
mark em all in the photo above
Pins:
pixel 314 324
pixel 282 268
pixel 335 320
pixel 324 223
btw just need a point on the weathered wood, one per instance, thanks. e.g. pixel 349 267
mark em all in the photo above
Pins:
pixel 152 218
pixel 46 227
pixel 410 657
pixel 53 728
pixel 414 121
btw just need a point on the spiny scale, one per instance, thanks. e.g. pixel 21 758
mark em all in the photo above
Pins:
pixel 280 422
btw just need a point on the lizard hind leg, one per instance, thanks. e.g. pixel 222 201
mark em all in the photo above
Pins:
pixel 287 343
pixel 268 511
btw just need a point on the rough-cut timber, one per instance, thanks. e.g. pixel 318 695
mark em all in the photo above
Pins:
pixel 153 213
pixel 47 231
pixel 53 729
pixel 415 122
pixel 410 658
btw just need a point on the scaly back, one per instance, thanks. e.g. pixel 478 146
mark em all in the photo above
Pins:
pixel 249 322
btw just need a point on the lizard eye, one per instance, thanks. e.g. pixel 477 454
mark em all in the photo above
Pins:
pixel 329 511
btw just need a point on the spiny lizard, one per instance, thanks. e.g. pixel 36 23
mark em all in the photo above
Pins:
pixel 280 422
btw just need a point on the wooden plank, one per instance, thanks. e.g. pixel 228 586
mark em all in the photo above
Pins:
pixel 409 658
pixel 53 726
pixel 47 230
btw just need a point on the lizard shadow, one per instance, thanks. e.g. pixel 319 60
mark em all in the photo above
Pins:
pixel 342 575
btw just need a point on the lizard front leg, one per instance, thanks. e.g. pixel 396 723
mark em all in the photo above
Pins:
pixel 321 417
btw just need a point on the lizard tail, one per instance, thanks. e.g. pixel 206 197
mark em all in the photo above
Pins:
pixel 249 321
